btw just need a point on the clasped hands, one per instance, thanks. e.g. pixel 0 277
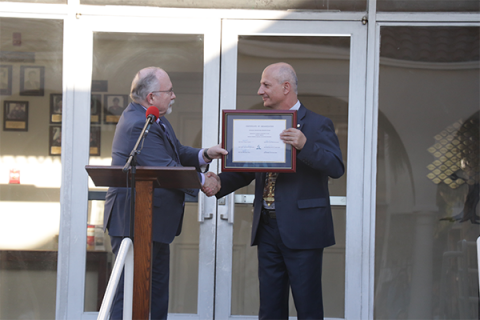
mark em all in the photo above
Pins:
pixel 212 182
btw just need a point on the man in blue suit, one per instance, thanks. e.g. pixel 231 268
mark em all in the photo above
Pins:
pixel 292 228
pixel 152 87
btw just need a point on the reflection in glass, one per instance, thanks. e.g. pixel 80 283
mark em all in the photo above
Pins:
pixel 427 213
pixel 31 177
pixel 314 5
pixel 322 67
pixel 117 57
pixel 428 6
pixel 38 1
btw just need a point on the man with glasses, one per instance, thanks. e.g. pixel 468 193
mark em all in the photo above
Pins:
pixel 152 87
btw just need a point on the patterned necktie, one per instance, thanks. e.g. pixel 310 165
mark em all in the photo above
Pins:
pixel 269 189
pixel 164 127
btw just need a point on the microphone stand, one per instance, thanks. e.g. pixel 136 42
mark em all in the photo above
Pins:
pixel 132 166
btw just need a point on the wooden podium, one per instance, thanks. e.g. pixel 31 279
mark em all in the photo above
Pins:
pixel 146 179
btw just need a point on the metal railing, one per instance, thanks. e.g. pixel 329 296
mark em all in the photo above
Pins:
pixel 124 258
pixel 478 260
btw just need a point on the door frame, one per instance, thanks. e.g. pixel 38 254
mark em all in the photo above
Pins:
pixel 357 230
pixel 78 55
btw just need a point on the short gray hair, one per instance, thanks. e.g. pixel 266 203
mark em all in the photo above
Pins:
pixel 144 83
pixel 287 74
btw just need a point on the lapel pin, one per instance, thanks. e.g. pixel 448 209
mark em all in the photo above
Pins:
pixel 298 125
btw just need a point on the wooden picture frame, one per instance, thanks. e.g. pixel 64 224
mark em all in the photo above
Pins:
pixel 252 139
pixel 95 138
pixel 55 141
pixel 15 115
pixel 32 81
pixel 56 108
pixel 113 106
pixel 5 80
pixel 95 108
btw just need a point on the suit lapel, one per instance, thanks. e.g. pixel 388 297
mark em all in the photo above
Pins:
pixel 166 129
pixel 301 113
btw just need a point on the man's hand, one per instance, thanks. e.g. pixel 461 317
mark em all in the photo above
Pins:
pixel 294 137
pixel 215 152
pixel 212 184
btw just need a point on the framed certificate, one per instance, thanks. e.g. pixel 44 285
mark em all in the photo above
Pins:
pixel 252 139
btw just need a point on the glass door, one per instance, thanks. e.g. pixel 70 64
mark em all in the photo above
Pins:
pixel 111 51
pixel 330 62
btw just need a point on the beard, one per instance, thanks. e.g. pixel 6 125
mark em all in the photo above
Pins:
pixel 170 109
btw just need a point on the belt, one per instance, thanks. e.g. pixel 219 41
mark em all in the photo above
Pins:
pixel 269 213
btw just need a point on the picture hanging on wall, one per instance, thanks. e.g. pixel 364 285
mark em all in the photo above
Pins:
pixel 113 106
pixel 15 116
pixel 99 86
pixel 55 141
pixel 55 108
pixel 94 140
pixel 95 108
pixel 5 80
pixel 32 80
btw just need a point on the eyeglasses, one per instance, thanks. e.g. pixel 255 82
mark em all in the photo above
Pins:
pixel 169 91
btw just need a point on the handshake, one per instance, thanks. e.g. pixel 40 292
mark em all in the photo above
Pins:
pixel 212 184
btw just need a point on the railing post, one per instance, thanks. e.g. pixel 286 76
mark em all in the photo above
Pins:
pixel 124 258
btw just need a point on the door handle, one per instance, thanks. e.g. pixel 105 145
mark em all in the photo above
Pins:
pixel 226 208
pixel 244 198
pixel 206 207
pixel 226 204
pixel 249 198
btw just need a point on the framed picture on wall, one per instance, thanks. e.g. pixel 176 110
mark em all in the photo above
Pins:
pixel 95 140
pixel 99 86
pixel 55 141
pixel 32 80
pixel 55 108
pixel 15 115
pixel 95 108
pixel 113 106
pixel 5 80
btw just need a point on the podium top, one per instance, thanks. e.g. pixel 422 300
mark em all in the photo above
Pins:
pixel 162 177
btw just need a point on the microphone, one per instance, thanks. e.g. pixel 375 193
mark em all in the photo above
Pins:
pixel 152 115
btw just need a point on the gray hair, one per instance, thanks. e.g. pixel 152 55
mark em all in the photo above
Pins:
pixel 287 74
pixel 145 81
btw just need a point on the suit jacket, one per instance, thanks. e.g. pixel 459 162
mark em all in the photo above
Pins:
pixel 168 204
pixel 302 201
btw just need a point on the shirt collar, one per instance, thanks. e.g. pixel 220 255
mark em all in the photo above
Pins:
pixel 296 106
pixel 158 119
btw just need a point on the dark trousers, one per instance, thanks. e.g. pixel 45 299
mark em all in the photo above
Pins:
pixel 160 278
pixel 280 268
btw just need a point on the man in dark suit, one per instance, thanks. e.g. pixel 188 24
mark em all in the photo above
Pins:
pixel 292 221
pixel 152 87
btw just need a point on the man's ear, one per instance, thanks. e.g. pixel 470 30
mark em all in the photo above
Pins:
pixel 286 87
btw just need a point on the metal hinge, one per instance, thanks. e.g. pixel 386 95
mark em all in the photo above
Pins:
pixel 364 20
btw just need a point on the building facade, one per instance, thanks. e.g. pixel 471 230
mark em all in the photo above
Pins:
pixel 399 79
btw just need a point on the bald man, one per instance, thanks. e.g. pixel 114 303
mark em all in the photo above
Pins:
pixel 152 87
pixel 292 228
